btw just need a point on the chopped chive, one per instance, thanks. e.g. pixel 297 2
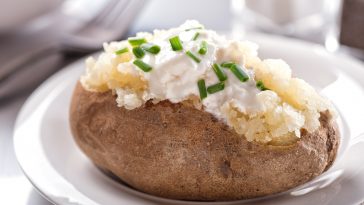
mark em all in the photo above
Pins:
pixel 219 73
pixel 202 88
pixel 216 87
pixel 138 52
pixel 121 51
pixel 136 41
pixel 260 85
pixel 191 55
pixel 239 73
pixel 143 66
pixel 195 36
pixel 194 28
pixel 176 43
pixel 227 64
pixel 203 48
pixel 151 48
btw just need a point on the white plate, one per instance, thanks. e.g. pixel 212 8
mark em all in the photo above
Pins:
pixel 57 168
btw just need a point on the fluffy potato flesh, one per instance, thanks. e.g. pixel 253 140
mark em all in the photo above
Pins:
pixel 176 151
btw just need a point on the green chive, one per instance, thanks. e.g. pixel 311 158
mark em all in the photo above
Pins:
pixel 176 43
pixel 219 73
pixel 239 73
pixel 202 88
pixel 203 48
pixel 227 64
pixel 121 51
pixel 216 87
pixel 195 58
pixel 260 85
pixel 194 28
pixel 195 36
pixel 151 48
pixel 143 66
pixel 136 41
pixel 138 52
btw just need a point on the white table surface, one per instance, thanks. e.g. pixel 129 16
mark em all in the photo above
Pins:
pixel 14 187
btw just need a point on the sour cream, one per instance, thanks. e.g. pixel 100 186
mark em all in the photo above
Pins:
pixel 175 74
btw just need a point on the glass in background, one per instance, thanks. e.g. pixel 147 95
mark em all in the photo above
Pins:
pixel 352 28
pixel 313 20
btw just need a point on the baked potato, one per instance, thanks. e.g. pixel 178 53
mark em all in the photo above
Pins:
pixel 176 151
pixel 202 145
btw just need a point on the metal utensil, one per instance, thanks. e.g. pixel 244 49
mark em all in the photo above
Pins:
pixel 109 24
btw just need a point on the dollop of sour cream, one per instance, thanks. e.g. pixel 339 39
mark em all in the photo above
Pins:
pixel 175 74
pixel 266 116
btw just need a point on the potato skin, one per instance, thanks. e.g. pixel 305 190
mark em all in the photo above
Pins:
pixel 176 151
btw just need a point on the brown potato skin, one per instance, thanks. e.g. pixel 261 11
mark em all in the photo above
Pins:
pixel 176 151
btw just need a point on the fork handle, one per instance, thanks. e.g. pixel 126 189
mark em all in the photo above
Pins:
pixel 22 74
pixel 21 62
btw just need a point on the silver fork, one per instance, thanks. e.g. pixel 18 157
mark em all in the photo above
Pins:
pixel 109 24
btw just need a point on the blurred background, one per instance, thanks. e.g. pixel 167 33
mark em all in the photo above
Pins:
pixel 40 37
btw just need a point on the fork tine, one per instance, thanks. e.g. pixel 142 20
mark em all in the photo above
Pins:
pixel 121 16
pixel 103 13
pixel 116 11
pixel 92 35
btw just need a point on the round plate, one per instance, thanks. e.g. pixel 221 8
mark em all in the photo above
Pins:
pixel 61 172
